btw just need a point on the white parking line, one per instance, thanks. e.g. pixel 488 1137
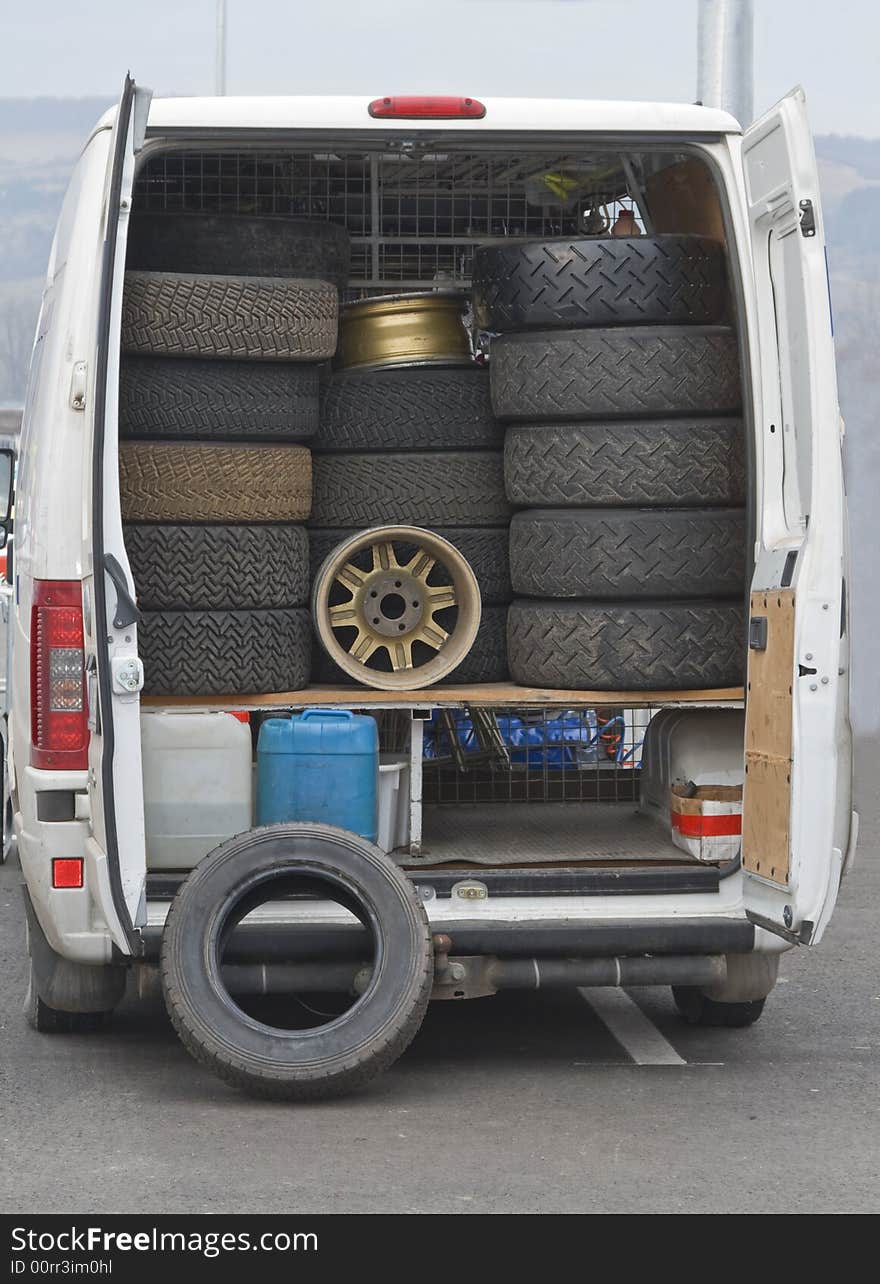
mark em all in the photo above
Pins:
pixel 626 1021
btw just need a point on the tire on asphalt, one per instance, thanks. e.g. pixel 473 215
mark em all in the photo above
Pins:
pixel 225 652
pixel 622 646
pixel 699 1010
pixel 409 409
pixel 349 1050
pixel 263 245
pixel 634 372
pixel 47 1020
pixel 594 281
pixel 180 398
pixel 254 318
pixel 485 547
pixel 200 482
pixel 485 662
pixel 453 488
pixel 63 996
pixel 218 568
pixel 647 462
pixel 633 553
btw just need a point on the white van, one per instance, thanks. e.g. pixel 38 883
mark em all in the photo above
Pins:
pixel 578 888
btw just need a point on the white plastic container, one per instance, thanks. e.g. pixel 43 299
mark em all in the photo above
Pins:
pixel 393 802
pixel 198 788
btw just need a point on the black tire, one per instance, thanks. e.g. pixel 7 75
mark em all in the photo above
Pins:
pixel 603 374
pixel 429 489
pixel 225 652
pixel 645 646
pixel 485 662
pixel 698 1010
pixel 646 462
pixel 218 568
pixel 644 280
pixel 612 553
pixel 329 1060
pixel 487 659
pixel 240 244
pixel 409 409
pixel 46 1020
pixel 179 398
pixel 254 318
pixel 484 547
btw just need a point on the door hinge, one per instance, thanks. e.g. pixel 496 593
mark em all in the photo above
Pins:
pixel 78 385
pixel 808 218
pixel 758 633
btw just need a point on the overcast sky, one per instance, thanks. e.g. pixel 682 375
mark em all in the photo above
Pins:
pixel 563 48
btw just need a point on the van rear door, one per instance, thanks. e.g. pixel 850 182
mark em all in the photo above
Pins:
pixel 797 799
pixel 112 665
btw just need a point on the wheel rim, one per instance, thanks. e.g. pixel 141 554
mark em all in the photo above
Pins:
pixel 405 329
pixel 392 608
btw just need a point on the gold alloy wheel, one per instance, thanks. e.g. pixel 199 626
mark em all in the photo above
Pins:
pixel 405 330
pixel 391 607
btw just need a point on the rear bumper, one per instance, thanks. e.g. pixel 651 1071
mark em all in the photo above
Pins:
pixel 277 940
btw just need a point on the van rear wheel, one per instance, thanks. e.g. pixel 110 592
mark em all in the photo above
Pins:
pixel 48 1020
pixel 698 1010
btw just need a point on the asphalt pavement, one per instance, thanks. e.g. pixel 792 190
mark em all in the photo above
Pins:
pixel 517 1103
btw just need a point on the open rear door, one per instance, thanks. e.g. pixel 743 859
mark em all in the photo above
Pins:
pixel 797 818
pixel 115 676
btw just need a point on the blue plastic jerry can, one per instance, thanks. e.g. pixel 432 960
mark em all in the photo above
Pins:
pixel 322 765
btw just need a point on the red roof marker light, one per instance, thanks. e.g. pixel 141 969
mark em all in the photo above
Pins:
pixel 419 107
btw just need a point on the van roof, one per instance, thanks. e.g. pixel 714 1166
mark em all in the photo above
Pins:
pixel 344 113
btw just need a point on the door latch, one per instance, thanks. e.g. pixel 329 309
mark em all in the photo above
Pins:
pixel 758 633
pixel 808 218
pixel 128 675
pixel 78 386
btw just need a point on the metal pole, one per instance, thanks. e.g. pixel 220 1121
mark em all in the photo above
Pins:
pixel 725 56
pixel 220 63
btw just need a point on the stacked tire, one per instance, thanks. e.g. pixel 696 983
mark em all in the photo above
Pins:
pixel 226 321
pixel 418 445
pixel 619 383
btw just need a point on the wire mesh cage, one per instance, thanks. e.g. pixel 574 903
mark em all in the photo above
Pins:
pixel 526 755
pixel 414 215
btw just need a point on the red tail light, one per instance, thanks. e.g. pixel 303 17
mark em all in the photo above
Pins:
pixel 59 715
pixel 417 107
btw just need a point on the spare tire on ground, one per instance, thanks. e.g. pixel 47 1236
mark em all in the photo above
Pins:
pixel 255 318
pixel 195 482
pixel 628 552
pixel 485 548
pixel 246 245
pixel 452 488
pixel 567 282
pixel 419 408
pixel 623 646
pixel 643 462
pixel 225 652
pixel 181 397
pixel 627 372
pixel 324 1060
pixel 217 568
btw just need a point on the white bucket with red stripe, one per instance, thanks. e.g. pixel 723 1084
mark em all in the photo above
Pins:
pixel 707 820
